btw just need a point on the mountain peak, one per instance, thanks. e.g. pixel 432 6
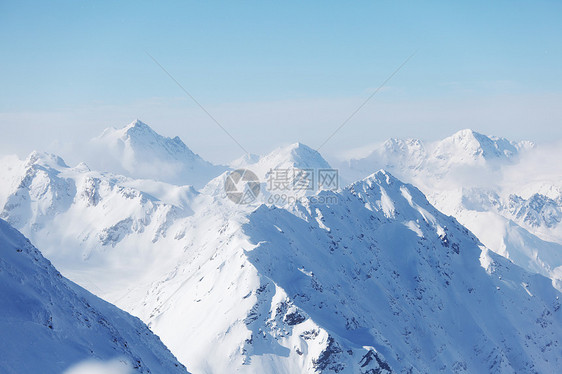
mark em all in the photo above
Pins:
pixel 465 133
pixel 381 176
pixel 140 152
pixel 45 159
pixel 139 134
pixel 382 191
pixel 468 146
pixel 468 135
pixel 296 155
pixel 137 123
pixel 288 158
pixel 301 151
pixel 138 126
pixel 292 156
pixel 299 145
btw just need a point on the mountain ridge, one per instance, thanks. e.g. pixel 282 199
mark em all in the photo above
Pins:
pixel 290 288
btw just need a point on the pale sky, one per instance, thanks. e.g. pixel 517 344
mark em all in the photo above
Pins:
pixel 275 73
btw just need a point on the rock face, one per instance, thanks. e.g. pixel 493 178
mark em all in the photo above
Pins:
pixel 536 211
pixel 50 324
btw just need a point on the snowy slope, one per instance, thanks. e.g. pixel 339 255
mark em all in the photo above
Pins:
pixel 139 152
pixel 49 324
pixel 345 288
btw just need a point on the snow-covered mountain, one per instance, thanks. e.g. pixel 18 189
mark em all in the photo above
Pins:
pixel 139 152
pixel 89 223
pixel 463 175
pixel 470 147
pixel 393 154
pixel 49 324
pixel 286 174
pixel 379 282
pixel 296 156
pixel 338 283
pixel 536 211
pixel 463 150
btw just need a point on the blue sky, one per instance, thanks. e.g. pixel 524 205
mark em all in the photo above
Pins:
pixel 274 73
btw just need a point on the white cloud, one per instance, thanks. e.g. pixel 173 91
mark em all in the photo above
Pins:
pixel 115 366
pixel 261 126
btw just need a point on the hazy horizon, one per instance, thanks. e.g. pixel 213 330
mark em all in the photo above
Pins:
pixel 273 74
